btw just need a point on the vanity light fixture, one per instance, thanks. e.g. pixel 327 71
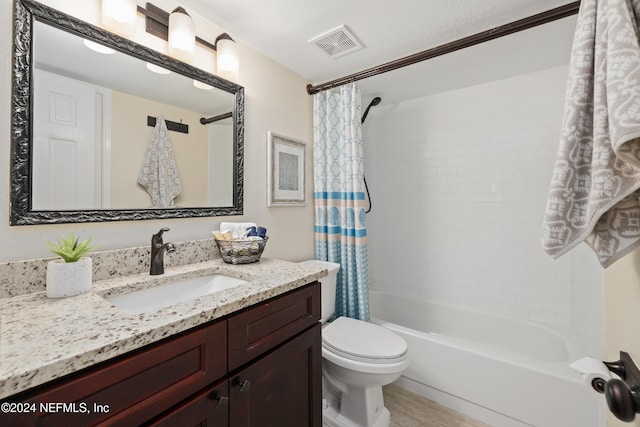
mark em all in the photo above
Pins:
pixel 227 57
pixel 157 23
pixel 120 16
pixel 97 47
pixel 182 34
pixel 161 24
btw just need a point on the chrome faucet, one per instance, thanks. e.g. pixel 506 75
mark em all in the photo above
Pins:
pixel 158 249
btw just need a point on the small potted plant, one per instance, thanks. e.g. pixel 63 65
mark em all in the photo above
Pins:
pixel 72 273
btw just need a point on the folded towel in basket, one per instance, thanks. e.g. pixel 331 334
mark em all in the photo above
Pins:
pixel 237 229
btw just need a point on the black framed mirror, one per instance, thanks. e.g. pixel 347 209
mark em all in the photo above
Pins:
pixel 44 46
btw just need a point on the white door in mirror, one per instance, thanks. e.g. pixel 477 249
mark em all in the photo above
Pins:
pixel 67 153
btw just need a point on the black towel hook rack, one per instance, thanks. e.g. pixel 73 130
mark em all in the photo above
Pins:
pixel 173 126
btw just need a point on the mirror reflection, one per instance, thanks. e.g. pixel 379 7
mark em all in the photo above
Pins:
pixel 81 123
pixel 98 141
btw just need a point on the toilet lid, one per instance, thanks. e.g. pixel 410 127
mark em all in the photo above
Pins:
pixel 363 340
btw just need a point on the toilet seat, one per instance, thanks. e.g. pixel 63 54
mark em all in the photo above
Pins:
pixel 361 341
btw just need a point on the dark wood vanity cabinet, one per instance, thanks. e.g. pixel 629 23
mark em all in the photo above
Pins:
pixel 259 367
pixel 275 360
pixel 280 389
pixel 130 389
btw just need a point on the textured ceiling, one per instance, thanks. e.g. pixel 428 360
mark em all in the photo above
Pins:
pixel 389 30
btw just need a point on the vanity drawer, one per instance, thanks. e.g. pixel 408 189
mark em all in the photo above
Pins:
pixel 264 326
pixel 209 408
pixel 134 388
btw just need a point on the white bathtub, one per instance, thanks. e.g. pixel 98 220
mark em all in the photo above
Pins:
pixel 496 369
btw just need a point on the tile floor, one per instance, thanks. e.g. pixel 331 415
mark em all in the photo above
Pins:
pixel 410 410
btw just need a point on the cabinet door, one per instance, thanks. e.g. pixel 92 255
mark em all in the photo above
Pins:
pixel 264 326
pixel 208 409
pixel 284 388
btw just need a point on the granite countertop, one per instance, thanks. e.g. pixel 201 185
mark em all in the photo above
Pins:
pixel 42 339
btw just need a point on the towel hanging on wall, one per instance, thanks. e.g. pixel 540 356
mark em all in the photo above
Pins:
pixel 594 189
pixel 159 173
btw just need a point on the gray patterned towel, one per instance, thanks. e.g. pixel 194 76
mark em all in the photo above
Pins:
pixel 594 189
pixel 159 172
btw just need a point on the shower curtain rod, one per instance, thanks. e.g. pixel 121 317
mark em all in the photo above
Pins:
pixel 205 121
pixel 502 30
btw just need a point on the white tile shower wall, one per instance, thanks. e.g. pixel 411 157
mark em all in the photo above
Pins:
pixel 459 183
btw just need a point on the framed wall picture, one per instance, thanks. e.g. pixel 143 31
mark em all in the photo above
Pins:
pixel 286 170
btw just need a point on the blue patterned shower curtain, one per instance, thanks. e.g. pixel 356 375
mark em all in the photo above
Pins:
pixel 338 179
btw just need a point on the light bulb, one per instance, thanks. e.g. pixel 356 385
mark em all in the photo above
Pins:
pixel 97 47
pixel 157 69
pixel 120 16
pixel 227 57
pixel 182 34
pixel 201 85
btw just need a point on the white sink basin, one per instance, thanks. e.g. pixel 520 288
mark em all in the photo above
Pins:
pixel 172 293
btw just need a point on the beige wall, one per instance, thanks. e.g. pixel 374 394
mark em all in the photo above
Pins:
pixel 622 314
pixel 275 100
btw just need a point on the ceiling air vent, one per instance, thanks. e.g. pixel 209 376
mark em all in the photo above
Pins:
pixel 337 42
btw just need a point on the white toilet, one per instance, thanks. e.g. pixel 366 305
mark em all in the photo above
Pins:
pixel 358 358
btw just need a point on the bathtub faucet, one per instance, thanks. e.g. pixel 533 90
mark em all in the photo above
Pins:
pixel 623 395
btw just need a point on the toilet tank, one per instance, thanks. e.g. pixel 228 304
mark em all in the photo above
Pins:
pixel 327 286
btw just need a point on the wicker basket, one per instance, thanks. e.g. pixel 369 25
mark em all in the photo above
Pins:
pixel 241 251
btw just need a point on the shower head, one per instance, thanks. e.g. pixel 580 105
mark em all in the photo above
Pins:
pixel 375 101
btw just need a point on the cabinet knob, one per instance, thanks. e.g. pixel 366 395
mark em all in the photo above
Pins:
pixel 245 385
pixel 223 401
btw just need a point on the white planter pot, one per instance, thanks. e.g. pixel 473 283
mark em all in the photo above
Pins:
pixel 66 279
